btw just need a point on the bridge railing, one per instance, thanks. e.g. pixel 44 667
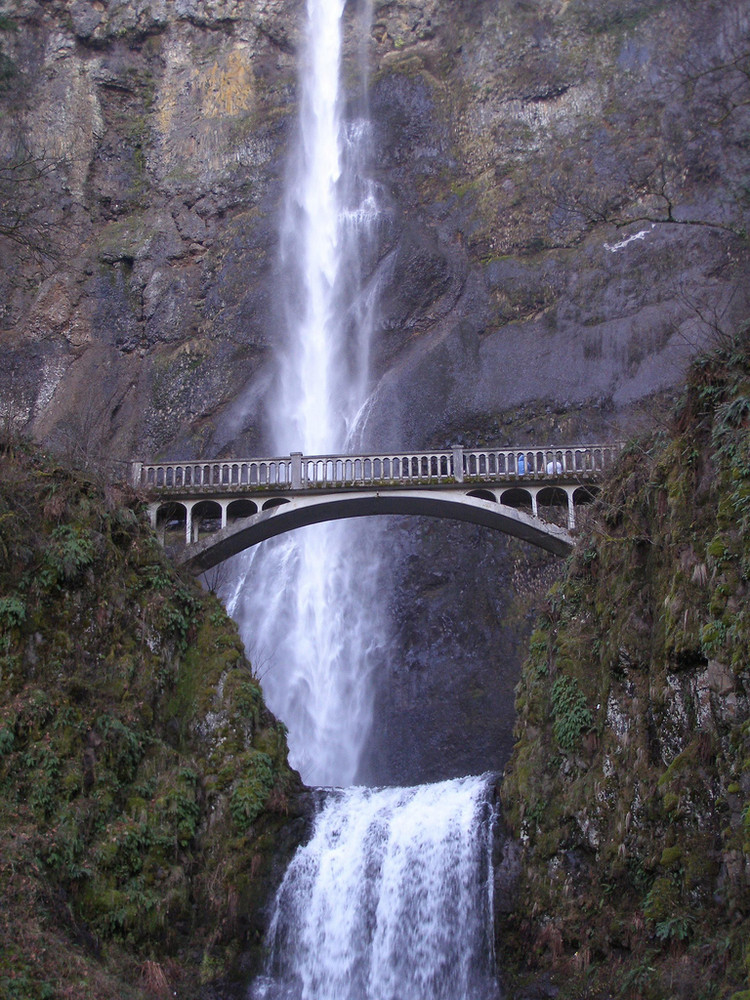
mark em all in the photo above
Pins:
pixel 302 472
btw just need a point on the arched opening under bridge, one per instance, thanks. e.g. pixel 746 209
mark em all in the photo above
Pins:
pixel 207 518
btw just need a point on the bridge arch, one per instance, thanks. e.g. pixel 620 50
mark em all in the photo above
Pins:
pixel 275 502
pixel 212 549
pixel 583 495
pixel 552 496
pixel 554 503
pixel 171 518
pixel 483 495
pixel 518 498
pixel 206 517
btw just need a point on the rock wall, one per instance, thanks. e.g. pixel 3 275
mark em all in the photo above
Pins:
pixel 519 148
pixel 563 184
pixel 628 788
pixel 158 132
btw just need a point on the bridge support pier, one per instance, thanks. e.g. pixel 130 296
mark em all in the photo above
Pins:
pixel 569 491
pixel 458 463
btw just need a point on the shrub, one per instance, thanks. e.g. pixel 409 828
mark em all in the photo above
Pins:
pixel 69 554
pixel 12 612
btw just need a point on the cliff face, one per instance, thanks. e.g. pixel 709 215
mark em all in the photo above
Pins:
pixel 144 789
pixel 628 788
pixel 566 211
pixel 154 136
pixel 514 142
pixel 563 190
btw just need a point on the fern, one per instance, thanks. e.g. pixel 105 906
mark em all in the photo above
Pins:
pixel 571 716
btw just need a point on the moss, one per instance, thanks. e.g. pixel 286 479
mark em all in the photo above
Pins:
pixel 112 735
pixel 670 857
pixel 649 624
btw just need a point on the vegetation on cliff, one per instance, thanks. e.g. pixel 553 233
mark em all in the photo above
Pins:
pixel 629 787
pixel 142 780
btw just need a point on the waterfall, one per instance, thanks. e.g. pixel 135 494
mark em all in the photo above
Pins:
pixel 308 609
pixel 390 900
pixel 392 897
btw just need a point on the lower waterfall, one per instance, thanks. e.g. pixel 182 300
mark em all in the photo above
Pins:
pixel 391 899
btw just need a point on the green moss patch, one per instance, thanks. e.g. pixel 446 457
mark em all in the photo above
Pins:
pixel 142 778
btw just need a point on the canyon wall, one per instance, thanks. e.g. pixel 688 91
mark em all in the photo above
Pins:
pixel 564 217
pixel 628 787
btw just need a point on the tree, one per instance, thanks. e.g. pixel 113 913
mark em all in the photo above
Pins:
pixel 26 222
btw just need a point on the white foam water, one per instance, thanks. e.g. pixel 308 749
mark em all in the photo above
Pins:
pixel 307 609
pixel 390 900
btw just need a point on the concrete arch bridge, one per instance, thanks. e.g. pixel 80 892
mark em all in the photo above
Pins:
pixel 212 510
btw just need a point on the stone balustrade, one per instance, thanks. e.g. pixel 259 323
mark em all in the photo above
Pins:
pixel 298 472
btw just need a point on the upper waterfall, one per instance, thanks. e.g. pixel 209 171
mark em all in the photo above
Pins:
pixel 305 411
pixel 314 637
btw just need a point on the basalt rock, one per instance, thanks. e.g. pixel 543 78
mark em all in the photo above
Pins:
pixel 564 214
pixel 627 789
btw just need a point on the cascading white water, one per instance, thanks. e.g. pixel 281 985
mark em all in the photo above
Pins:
pixel 390 900
pixel 392 897
pixel 312 628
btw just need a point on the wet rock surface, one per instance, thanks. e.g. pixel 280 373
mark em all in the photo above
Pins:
pixel 564 210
